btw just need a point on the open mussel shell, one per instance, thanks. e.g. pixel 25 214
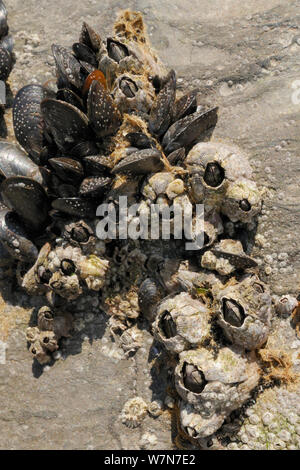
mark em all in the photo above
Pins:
pixel 28 120
pixel 75 206
pixel 90 38
pixel 140 163
pixel 6 63
pixel 102 111
pixel 188 130
pixel 185 105
pixel 67 124
pixel 94 187
pixel 15 162
pixel 69 170
pixel 68 68
pixel 15 239
pixel 29 200
pixel 161 112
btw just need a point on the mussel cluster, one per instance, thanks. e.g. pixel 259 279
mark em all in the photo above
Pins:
pixel 117 125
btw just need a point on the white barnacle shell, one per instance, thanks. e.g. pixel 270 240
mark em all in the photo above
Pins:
pixel 181 322
pixel 92 271
pixel 134 412
pixel 227 381
pixel 229 160
pixel 286 305
pixel 157 184
pixel 242 190
pixel 67 287
pixel 212 262
pixel 244 311
pixel 143 98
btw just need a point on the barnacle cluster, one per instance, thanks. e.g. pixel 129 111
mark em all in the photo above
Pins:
pixel 116 125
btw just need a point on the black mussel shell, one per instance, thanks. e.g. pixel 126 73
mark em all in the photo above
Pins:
pixel 29 200
pixel 84 149
pixel 68 68
pixel 140 140
pixel 161 112
pixel 15 162
pixel 102 111
pixel 90 38
pixel 97 165
pixel 28 120
pixel 64 94
pixel 140 163
pixel 240 261
pixel 177 157
pixel 67 124
pixel 3 20
pixel 94 187
pixel 6 63
pixel 188 130
pixel 14 238
pixel 69 170
pixel 186 105
pixel 84 53
pixel 75 206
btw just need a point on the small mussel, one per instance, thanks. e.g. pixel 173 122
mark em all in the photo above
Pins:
pixel 28 198
pixel 140 163
pixel 69 170
pixel 186 131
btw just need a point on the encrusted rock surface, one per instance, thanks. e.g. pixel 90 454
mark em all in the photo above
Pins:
pixel 245 58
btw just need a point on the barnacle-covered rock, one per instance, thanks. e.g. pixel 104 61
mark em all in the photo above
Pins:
pixel 42 344
pixel 181 322
pixel 212 387
pixel 134 412
pixel 244 311
pixel 226 257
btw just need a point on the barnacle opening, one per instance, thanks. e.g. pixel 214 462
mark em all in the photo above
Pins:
pixel 245 205
pixel 214 174
pixel 68 267
pixel 193 378
pixel 233 312
pixel 167 325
